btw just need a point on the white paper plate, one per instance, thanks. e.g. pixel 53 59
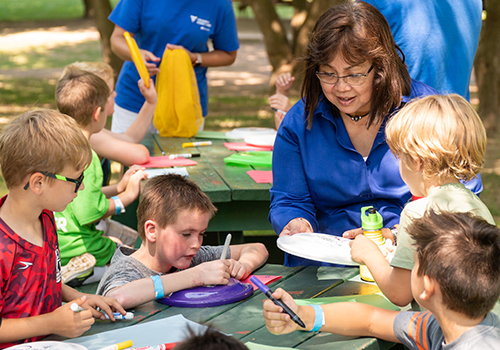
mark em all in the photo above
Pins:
pixel 319 247
pixel 242 133
pixel 48 345
pixel 262 140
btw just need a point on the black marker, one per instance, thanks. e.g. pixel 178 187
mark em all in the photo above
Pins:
pixel 264 289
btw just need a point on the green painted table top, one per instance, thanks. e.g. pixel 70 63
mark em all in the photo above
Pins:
pixel 244 321
pixel 221 182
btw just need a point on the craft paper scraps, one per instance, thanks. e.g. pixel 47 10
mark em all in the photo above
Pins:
pixel 266 279
pixel 243 146
pixel 165 162
pixel 261 176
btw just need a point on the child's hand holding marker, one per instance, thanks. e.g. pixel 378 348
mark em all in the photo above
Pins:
pixel 68 323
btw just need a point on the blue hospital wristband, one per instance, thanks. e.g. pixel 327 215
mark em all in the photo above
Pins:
pixel 158 286
pixel 319 318
pixel 119 207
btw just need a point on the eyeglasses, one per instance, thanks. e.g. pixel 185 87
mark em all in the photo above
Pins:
pixel 351 79
pixel 78 182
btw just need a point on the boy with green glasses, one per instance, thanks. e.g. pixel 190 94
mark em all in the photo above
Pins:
pixel 33 148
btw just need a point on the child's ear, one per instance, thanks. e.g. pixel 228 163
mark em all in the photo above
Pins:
pixel 150 230
pixel 36 182
pixel 430 287
pixel 419 164
pixel 97 114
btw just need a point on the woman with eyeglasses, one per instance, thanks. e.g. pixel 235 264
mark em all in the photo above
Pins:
pixel 330 156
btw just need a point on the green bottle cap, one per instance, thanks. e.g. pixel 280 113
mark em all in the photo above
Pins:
pixel 371 219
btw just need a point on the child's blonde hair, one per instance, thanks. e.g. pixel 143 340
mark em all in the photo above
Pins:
pixel 102 69
pixel 79 93
pixel 41 140
pixel 444 132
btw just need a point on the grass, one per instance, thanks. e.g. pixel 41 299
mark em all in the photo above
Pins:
pixel 33 10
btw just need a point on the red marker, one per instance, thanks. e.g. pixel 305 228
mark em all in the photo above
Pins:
pixel 165 346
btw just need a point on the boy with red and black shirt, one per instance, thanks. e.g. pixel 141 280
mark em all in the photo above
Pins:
pixel 42 156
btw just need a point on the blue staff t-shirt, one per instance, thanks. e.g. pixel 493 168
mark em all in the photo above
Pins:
pixel 158 23
pixel 439 39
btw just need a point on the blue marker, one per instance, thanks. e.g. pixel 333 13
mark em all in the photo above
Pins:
pixel 119 316
pixel 264 289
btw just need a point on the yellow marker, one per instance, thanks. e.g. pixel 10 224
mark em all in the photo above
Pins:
pixel 137 58
pixel 119 346
pixel 196 144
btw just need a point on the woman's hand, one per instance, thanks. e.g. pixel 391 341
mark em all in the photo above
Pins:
pixel 351 234
pixel 192 56
pixel 148 57
pixel 297 225
pixel 278 322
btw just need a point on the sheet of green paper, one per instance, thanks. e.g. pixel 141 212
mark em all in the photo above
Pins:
pixel 378 300
pixel 217 135
pixel 255 346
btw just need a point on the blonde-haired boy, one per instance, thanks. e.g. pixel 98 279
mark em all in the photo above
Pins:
pixel 84 97
pixel 173 215
pixel 42 156
pixel 439 141
pixel 123 148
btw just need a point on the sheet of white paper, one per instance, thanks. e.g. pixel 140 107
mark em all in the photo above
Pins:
pixel 167 330
pixel 163 171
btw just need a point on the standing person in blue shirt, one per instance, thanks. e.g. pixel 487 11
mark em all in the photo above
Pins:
pixel 161 25
pixel 438 38
pixel 330 156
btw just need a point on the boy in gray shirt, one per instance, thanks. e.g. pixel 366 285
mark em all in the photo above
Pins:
pixel 456 277
pixel 173 215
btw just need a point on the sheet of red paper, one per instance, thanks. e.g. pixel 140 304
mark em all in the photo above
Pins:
pixel 164 162
pixel 266 279
pixel 243 146
pixel 261 176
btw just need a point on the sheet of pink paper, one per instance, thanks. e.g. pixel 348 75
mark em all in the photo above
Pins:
pixel 266 279
pixel 164 162
pixel 261 176
pixel 243 146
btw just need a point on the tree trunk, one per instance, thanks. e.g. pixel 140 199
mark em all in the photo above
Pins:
pixel 105 27
pixel 89 11
pixel 487 68
pixel 279 51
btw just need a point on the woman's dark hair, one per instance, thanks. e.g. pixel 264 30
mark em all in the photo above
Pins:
pixel 357 32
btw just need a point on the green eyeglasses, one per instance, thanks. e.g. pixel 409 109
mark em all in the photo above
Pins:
pixel 78 182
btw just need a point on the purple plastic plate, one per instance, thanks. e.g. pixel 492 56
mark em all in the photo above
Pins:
pixel 209 295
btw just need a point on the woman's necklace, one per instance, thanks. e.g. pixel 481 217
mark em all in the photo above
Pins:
pixel 357 118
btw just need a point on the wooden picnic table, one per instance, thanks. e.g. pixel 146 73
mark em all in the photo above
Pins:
pixel 244 320
pixel 242 204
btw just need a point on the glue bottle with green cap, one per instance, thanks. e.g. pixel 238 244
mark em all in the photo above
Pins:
pixel 371 223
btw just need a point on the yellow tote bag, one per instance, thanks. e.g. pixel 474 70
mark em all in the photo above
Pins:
pixel 178 111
